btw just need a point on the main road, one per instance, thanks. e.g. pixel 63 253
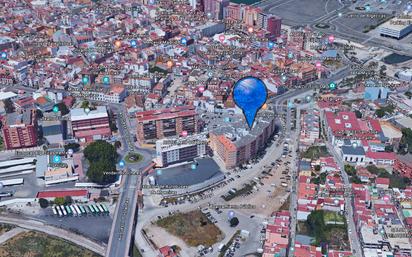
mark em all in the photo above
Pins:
pixel 126 210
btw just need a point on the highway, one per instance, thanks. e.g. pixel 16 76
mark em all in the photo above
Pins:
pixel 126 209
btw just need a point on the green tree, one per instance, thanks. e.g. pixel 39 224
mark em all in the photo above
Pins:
pixel 234 222
pixel 102 172
pixel 350 170
pixel 43 203
pixel 380 113
pixel 74 146
pixel 100 150
pixel 59 200
pixel 85 104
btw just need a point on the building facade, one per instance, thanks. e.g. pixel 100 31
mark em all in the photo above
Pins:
pixel 175 150
pixel 20 129
pixel 157 124
pixel 91 126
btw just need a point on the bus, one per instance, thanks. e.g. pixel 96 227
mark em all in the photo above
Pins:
pixel 78 210
pixel 87 210
pixel 105 208
pixel 54 210
pixel 95 209
pixel 63 210
pixel 100 208
pixel 73 210
pixel 69 211
pixel 58 211
pixel 91 209
pixel 82 209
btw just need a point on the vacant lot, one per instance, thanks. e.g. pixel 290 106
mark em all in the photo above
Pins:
pixel 34 244
pixel 192 227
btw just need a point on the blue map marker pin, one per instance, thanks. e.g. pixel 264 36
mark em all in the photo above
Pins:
pixel 250 95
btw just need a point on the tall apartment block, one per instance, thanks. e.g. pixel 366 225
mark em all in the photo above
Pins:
pixel 20 129
pixel 158 124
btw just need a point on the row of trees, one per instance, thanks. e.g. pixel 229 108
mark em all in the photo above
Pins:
pixel 44 203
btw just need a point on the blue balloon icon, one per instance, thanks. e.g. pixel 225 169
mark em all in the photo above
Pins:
pixel 57 159
pixel 250 95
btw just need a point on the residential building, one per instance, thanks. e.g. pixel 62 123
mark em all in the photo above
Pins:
pixel 20 129
pixel 174 150
pixel 237 145
pixel 158 124
pixel 90 126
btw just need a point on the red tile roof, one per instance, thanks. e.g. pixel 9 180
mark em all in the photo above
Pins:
pixel 62 193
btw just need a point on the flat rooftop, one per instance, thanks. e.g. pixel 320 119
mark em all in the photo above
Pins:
pixel 184 175
pixel 397 23
pixel 79 113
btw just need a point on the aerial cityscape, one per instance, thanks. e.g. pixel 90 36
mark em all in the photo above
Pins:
pixel 216 128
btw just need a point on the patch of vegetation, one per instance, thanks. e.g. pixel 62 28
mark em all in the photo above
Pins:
pixel 136 252
pixel 5 228
pixel 405 145
pixel 102 157
pixel 315 152
pixel 334 235
pixel 41 245
pixel 319 180
pixel 395 181
pixel 192 227
pixel 247 188
pixel 74 146
pixel 350 170
pixel 155 69
pixel 133 157
pixel 384 111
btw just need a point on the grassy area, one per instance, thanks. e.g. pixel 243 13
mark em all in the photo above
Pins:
pixel 136 252
pixel 333 217
pixel 133 158
pixel 314 152
pixel 335 235
pixel 192 227
pixel 5 228
pixel 395 181
pixel 41 245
